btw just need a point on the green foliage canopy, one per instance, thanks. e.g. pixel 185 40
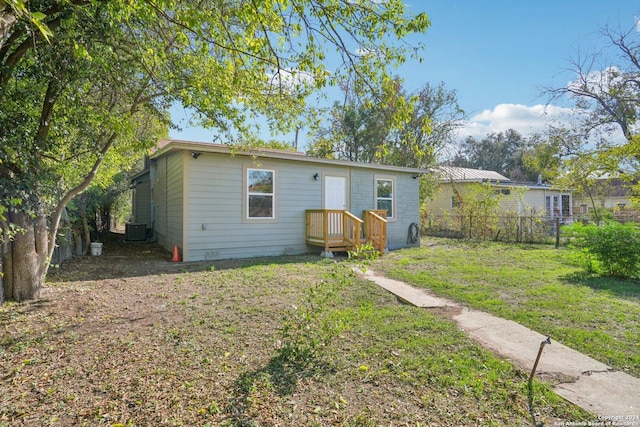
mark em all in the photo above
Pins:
pixel 86 85
pixel 108 76
pixel 502 152
pixel 391 127
pixel 606 92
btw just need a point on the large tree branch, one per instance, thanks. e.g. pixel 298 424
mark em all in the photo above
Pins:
pixel 44 125
pixel 57 214
pixel 8 18
pixel 620 40
pixel 231 48
pixel 89 177
pixel 21 41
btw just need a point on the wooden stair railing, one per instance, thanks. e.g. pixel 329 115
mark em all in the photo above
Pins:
pixel 375 228
pixel 333 229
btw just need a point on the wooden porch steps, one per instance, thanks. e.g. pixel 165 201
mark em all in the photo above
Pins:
pixel 339 230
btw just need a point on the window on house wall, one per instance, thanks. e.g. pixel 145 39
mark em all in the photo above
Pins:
pixel 456 199
pixel 552 206
pixel 384 196
pixel 566 206
pixel 260 193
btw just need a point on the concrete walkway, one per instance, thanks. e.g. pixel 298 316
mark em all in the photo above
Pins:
pixel 592 385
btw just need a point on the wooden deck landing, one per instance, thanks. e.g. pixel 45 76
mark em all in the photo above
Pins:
pixel 340 230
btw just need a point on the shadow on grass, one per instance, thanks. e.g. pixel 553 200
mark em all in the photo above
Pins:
pixel 277 377
pixel 121 259
pixel 628 289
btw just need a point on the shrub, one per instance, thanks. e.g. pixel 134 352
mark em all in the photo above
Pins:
pixel 612 248
pixel 308 330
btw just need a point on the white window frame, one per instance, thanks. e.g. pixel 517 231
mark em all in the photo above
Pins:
pixel 394 210
pixel 565 197
pixel 247 195
pixel 453 204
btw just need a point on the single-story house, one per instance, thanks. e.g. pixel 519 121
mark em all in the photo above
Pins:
pixel 212 201
pixel 522 198
pixel 608 193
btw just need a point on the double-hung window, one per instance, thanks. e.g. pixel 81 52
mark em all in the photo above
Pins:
pixel 260 194
pixel 384 196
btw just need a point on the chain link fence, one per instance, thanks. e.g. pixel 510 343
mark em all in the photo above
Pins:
pixel 500 227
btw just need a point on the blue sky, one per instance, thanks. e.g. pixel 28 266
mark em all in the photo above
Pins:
pixel 498 55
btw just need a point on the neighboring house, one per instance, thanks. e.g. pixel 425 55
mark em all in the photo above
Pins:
pixel 517 197
pixel 610 193
pixel 212 201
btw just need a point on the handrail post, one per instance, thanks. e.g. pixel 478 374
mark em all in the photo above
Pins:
pixel 325 229
pixel 376 229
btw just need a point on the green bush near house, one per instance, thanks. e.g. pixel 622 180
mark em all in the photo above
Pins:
pixel 612 249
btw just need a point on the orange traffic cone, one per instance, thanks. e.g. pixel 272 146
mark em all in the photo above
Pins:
pixel 176 256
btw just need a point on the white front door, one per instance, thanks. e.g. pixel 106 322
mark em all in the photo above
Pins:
pixel 335 192
pixel 335 197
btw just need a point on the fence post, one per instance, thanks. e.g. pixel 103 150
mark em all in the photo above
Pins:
pixel 531 228
pixel 557 232
pixel 519 230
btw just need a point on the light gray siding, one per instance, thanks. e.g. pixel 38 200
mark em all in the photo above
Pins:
pixel 408 208
pixel 159 170
pixel 168 198
pixel 141 210
pixel 199 203
pixel 362 191
pixel 216 228
pixel 406 202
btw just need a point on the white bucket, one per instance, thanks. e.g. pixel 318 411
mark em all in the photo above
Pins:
pixel 96 249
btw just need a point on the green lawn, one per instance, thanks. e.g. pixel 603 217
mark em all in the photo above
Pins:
pixel 537 286
pixel 156 343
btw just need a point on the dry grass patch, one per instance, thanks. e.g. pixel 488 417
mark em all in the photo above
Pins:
pixel 132 339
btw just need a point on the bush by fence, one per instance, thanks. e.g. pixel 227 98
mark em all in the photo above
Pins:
pixel 612 248
pixel 502 227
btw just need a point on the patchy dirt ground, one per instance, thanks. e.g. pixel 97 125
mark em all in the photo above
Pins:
pixel 131 338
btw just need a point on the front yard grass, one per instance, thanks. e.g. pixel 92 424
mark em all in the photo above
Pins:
pixel 197 344
pixel 538 286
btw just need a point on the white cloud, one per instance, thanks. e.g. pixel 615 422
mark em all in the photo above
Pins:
pixel 599 82
pixel 525 119
pixel 290 79
pixel 364 52
pixel 372 1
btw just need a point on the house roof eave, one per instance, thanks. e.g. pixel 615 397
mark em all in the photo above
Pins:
pixel 204 147
pixel 509 184
pixel 139 174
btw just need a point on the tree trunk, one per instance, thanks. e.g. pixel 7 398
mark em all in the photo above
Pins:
pixel 596 213
pixel 25 257
pixel 77 239
pixel 87 234
pixel 82 212
pixel 7 19
pixel 4 246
